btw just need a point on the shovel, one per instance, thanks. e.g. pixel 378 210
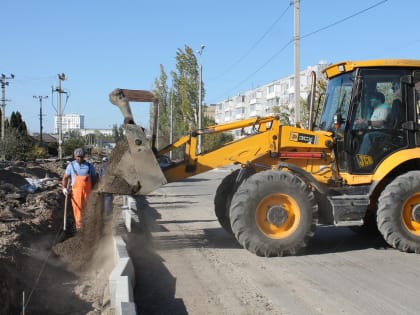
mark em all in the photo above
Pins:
pixel 66 201
pixel 63 235
pixel 65 212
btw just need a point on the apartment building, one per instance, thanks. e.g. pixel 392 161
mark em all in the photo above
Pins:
pixel 69 122
pixel 276 97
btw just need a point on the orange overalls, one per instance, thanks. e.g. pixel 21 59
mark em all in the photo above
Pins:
pixel 79 193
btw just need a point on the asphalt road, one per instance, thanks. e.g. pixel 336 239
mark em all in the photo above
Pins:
pixel 187 264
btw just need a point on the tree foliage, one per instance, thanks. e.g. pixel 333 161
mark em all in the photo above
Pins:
pixel 117 133
pixel 71 144
pixel 321 89
pixel 321 85
pixel 209 142
pixel 164 110
pixel 17 123
pixel 16 144
pixel 182 100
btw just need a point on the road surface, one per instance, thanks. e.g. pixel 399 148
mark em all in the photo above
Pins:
pixel 187 264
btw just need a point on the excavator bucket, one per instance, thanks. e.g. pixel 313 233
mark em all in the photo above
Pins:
pixel 132 167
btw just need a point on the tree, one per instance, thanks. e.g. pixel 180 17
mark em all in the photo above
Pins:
pixel 209 142
pixel 117 133
pixel 321 86
pixel 161 93
pixel 71 134
pixel 183 97
pixel 321 89
pixel 185 83
pixel 16 144
pixel 71 144
pixel 17 123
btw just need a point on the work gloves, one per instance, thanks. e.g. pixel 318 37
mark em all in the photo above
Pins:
pixel 66 192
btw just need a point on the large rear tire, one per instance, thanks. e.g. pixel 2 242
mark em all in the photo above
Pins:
pixel 274 213
pixel 398 216
pixel 224 194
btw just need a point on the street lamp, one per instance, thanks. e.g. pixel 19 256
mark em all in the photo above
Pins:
pixel 200 101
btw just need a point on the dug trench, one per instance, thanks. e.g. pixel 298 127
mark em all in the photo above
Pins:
pixel 44 269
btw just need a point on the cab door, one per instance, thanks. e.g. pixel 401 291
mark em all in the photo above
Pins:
pixel 366 143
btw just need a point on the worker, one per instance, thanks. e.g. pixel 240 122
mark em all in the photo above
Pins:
pixel 83 177
pixel 377 121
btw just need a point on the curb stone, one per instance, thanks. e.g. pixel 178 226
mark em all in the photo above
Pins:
pixel 121 280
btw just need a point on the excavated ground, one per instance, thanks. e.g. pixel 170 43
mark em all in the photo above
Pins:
pixel 44 269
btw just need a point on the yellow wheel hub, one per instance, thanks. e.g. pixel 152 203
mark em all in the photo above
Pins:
pixel 278 216
pixel 411 214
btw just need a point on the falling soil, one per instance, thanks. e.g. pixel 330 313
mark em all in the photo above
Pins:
pixel 46 270
pixel 78 250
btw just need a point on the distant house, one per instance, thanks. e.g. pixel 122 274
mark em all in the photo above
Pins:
pixel 46 138
pixel 210 111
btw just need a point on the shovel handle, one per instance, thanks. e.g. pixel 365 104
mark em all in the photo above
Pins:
pixel 66 201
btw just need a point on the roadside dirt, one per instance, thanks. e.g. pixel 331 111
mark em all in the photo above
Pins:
pixel 44 269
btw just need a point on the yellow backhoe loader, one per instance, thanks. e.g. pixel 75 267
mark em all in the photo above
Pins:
pixel 337 172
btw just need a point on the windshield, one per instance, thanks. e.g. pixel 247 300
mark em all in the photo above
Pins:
pixel 337 100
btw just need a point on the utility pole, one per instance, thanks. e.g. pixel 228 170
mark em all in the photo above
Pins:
pixel 171 127
pixel 4 82
pixel 200 101
pixel 61 77
pixel 40 98
pixel 296 61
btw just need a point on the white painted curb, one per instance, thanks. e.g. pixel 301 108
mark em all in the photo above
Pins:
pixel 122 279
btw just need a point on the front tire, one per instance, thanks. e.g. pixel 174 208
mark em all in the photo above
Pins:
pixel 398 216
pixel 224 194
pixel 274 213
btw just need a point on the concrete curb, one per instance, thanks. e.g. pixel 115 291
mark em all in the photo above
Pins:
pixel 121 281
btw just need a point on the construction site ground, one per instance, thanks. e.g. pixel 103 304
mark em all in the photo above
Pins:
pixel 45 270
pixel 187 264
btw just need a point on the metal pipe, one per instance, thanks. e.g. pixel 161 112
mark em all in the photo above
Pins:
pixel 312 100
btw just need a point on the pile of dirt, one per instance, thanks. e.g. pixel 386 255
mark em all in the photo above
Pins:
pixel 41 273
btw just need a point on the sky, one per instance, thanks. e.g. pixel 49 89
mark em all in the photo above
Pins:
pixel 108 44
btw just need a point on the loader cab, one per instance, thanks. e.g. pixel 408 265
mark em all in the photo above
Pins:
pixel 357 100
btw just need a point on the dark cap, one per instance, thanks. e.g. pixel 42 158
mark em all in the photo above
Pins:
pixel 79 152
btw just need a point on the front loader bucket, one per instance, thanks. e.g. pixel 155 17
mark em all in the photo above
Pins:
pixel 132 168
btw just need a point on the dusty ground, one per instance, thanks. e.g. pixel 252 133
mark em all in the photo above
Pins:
pixel 187 264
pixel 52 271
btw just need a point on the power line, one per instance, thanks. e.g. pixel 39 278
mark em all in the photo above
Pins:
pixel 263 65
pixel 304 36
pixel 254 45
pixel 344 19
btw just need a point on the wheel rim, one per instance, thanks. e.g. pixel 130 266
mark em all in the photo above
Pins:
pixel 290 215
pixel 411 225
